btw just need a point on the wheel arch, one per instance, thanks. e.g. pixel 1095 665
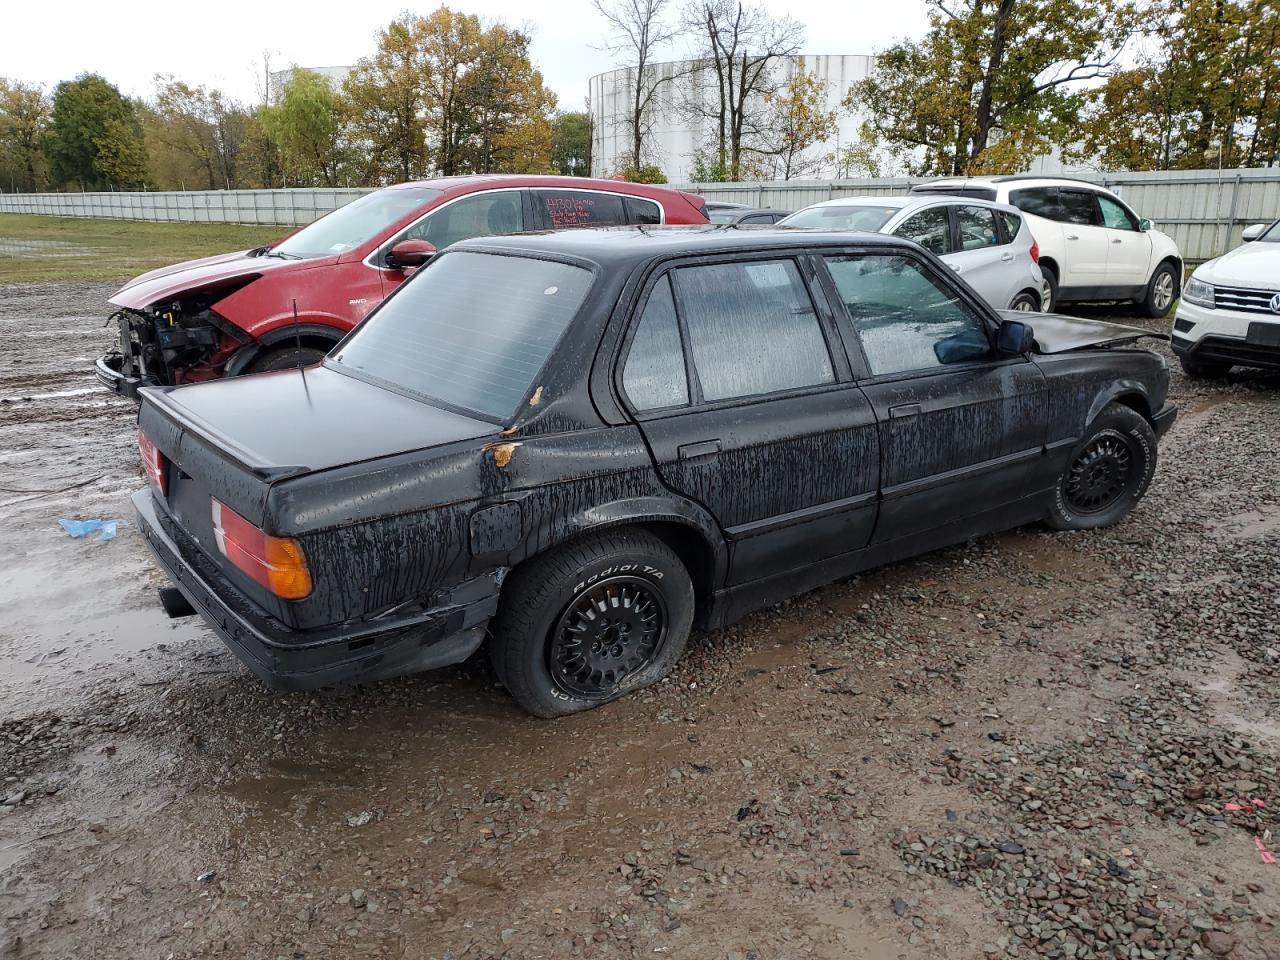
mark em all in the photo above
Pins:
pixel 1178 269
pixel 1128 393
pixel 317 335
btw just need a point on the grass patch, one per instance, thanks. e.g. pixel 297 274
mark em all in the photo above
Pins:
pixel 67 248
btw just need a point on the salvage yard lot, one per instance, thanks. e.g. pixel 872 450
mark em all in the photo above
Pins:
pixel 60 248
pixel 1021 746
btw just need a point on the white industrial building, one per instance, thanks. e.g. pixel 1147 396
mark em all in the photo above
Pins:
pixel 677 133
pixel 278 79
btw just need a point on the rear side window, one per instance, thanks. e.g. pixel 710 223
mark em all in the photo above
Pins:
pixel 930 228
pixel 1037 201
pixel 564 209
pixel 1011 223
pixel 641 211
pixel 977 228
pixel 472 330
pixel 752 328
pixel 654 376
pixel 1079 206
pixel 759 218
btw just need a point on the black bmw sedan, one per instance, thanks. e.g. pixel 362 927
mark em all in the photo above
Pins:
pixel 571 448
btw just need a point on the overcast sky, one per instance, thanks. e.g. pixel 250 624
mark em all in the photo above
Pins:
pixel 221 43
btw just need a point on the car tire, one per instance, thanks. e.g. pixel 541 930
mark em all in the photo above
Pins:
pixel 1162 291
pixel 1204 370
pixel 286 358
pixel 1107 472
pixel 1027 301
pixel 547 647
pixel 1051 288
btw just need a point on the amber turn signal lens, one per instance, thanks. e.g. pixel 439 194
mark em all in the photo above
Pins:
pixel 277 563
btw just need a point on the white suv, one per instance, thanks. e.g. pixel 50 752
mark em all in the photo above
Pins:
pixel 1092 246
pixel 1230 310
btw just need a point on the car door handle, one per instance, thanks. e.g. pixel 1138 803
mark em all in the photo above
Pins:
pixel 1116 240
pixel 954 266
pixel 1006 257
pixel 1072 236
pixel 904 410
pixel 704 448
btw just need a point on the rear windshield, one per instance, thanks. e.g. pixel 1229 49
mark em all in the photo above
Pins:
pixel 356 223
pixel 471 331
pixel 867 217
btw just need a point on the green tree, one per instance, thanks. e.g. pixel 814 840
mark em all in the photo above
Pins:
pixel 1205 91
pixel 24 118
pixel 94 138
pixel 307 125
pixel 993 83
pixel 387 101
pixel 571 140
pixel 797 119
pixel 200 125
pixel 508 109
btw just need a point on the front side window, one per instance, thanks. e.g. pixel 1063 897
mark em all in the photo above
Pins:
pixel 1115 216
pixel 905 318
pixel 977 228
pixel 489 214
pixel 752 328
pixel 654 376
pixel 356 223
pixel 565 209
pixel 1080 207
pixel 931 228
pixel 1037 201
pixel 1272 235
pixel 472 330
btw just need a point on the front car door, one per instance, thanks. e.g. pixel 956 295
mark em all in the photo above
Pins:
pixel 1129 249
pixel 731 375
pixel 961 429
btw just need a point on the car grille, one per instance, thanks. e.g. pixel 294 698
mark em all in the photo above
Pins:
pixel 1247 301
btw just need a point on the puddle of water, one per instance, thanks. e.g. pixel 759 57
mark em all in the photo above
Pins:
pixel 82 391
pixel 1250 525
pixel 13 247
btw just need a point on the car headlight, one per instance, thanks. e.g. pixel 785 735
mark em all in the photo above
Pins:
pixel 1199 292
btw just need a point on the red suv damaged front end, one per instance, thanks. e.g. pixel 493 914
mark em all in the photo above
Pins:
pixel 286 304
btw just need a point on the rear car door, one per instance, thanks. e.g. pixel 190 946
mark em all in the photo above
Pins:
pixel 982 255
pixel 566 209
pixel 1129 249
pixel 961 430
pixel 730 373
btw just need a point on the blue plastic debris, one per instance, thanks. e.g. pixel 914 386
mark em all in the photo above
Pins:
pixel 81 528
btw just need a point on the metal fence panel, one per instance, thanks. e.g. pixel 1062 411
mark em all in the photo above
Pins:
pixel 1203 210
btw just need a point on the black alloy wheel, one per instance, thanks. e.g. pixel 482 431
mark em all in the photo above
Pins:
pixel 605 635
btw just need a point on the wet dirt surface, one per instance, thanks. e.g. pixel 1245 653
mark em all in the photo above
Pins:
pixel 1022 746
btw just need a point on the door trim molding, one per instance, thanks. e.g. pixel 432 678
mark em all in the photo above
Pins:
pixel 960 473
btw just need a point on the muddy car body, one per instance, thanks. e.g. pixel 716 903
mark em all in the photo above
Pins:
pixel 634 431
pixel 290 302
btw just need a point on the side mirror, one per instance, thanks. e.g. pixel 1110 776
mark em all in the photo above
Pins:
pixel 1144 225
pixel 1014 338
pixel 1253 232
pixel 410 253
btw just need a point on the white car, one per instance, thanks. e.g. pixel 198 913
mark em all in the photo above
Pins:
pixel 1230 310
pixel 988 244
pixel 1092 245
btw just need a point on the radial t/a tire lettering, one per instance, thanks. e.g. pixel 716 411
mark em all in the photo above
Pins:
pixel 594 620
pixel 1107 472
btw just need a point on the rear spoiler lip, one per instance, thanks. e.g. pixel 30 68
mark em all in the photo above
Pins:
pixel 239 454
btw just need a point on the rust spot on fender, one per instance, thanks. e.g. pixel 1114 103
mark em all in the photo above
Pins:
pixel 502 452
pixel 536 398
pixel 511 431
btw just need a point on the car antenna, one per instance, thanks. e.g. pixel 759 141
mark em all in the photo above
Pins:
pixel 297 340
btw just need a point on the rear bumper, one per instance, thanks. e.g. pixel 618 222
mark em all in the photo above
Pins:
pixel 289 659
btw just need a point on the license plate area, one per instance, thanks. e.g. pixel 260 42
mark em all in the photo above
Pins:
pixel 1264 334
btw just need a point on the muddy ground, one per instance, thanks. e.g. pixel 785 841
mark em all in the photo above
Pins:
pixel 1021 746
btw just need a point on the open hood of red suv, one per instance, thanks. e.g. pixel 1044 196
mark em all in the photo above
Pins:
pixel 168 283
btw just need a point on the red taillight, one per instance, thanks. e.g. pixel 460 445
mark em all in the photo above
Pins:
pixel 277 563
pixel 153 462
pixel 1035 252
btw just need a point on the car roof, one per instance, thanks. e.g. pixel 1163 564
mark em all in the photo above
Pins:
pixel 991 181
pixel 913 200
pixel 625 246
pixel 472 182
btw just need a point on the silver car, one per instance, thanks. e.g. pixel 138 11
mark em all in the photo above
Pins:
pixel 989 244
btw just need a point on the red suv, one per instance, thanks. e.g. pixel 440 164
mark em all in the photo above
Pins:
pixel 286 304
